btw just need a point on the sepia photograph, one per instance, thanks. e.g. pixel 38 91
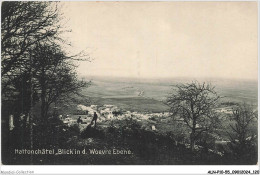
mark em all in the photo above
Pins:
pixel 129 83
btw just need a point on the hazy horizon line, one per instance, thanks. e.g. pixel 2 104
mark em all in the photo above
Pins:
pixel 172 77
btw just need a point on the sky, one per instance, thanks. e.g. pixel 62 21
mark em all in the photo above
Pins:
pixel 165 39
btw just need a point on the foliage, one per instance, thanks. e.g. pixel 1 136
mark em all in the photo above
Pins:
pixel 91 132
pixel 23 24
pixel 54 75
pixel 34 65
pixel 116 113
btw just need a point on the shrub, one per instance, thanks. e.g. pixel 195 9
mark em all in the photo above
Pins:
pixel 152 118
pixel 90 132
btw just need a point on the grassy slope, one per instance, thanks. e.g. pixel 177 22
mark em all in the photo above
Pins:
pixel 138 104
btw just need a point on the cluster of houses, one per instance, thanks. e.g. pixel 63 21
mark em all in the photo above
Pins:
pixel 225 110
pixel 109 113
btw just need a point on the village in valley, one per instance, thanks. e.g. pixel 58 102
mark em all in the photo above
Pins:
pixel 108 113
pixel 155 122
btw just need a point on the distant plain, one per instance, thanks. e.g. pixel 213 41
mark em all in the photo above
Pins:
pixel 149 95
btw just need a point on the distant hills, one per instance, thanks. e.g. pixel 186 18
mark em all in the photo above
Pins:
pixel 158 89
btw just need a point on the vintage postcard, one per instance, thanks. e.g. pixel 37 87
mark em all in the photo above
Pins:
pixel 129 83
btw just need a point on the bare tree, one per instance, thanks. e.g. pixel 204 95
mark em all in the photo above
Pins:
pixel 54 74
pixel 22 25
pixel 31 52
pixel 243 134
pixel 195 103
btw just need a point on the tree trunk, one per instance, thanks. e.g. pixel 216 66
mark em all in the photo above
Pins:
pixel 43 104
pixel 192 140
pixel 31 115
pixel 43 95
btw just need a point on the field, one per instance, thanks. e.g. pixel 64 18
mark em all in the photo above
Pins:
pixel 132 104
pixel 150 94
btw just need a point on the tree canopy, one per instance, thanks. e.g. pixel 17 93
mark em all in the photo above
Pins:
pixel 23 24
pixel 195 103
pixel 34 62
